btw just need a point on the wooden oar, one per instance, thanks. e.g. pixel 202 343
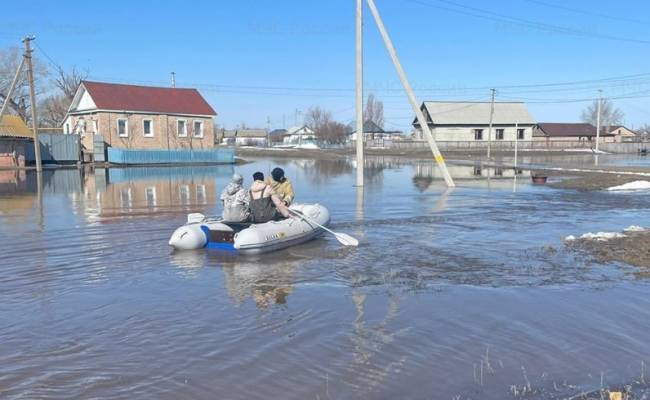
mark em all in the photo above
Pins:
pixel 343 238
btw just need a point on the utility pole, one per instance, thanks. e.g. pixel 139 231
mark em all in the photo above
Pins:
pixel 411 96
pixel 268 131
pixel 359 93
pixel 600 100
pixel 32 99
pixel 173 79
pixel 489 144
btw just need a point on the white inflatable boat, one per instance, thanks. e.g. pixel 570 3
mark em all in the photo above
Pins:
pixel 246 238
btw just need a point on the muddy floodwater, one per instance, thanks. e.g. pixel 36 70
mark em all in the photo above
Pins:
pixel 452 294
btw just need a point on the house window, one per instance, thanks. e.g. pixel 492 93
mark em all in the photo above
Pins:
pixel 478 171
pixel 95 128
pixel 520 134
pixel 198 129
pixel 181 128
pixel 123 128
pixel 498 172
pixel 478 134
pixel 147 127
pixel 125 197
pixel 150 196
pixel 184 194
pixel 200 194
pixel 500 134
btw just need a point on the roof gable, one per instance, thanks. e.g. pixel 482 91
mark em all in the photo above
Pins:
pixel 160 100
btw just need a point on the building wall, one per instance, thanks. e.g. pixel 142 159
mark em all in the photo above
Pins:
pixel 466 133
pixel 165 133
pixel 12 152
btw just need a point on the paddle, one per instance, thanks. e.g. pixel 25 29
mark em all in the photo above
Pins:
pixel 343 238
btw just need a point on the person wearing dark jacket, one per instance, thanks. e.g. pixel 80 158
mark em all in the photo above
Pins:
pixel 264 204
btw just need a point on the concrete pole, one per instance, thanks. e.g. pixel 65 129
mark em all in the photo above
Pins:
pixel 409 92
pixel 359 92
pixel 489 144
pixel 516 143
pixel 600 100
pixel 10 93
pixel 173 79
pixel 32 99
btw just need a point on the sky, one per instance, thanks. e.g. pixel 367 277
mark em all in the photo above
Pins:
pixel 264 63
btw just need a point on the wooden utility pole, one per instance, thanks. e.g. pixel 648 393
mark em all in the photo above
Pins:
pixel 411 96
pixel 600 100
pixel 32 99
pixel 359 93
pixel 489 145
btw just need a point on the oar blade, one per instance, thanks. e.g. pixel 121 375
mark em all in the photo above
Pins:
pixel 346 239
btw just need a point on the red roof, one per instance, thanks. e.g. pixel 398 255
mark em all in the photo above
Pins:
pixel 112 96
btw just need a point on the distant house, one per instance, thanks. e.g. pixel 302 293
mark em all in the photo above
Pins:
pixel 621 133
pixel 140 117
pixel 300 134
pixel 469 121
pixel 574 132
pixel 371 131
pixel 244 137
pixel 278 135
pixel 15 136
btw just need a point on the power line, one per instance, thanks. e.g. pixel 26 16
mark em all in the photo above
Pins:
pixel 493 16
pixel 586 12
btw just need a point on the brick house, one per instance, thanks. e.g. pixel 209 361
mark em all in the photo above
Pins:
pixel 140 117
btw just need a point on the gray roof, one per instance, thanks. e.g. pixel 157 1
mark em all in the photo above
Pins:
pixel 245 133
pixel 477 113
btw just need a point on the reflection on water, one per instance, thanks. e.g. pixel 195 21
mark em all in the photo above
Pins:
pixel 93 303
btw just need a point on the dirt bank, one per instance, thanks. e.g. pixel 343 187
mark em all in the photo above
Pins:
pixel 632 248
pixel 585 181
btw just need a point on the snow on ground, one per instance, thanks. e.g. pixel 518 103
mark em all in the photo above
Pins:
pixel 636 185
pixel 604 236
pixel 634 228
pixel 585 151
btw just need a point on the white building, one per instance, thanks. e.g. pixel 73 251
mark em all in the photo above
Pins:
pixel 299 135
pixel 462 121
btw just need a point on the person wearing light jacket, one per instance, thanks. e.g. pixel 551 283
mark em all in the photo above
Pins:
pixel 236 201
pixel 281 185
pixel 264 204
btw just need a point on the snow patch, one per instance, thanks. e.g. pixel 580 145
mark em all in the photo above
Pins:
pixel 636 185
pixel 634 228
pixel 602 236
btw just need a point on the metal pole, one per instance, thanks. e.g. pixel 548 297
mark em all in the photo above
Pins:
pixel 32 99
pixel 359 92
pixel 516 142
pixel 5 105
pixel 409 92
pixel 600 100
pixel 173 79
pixel 489 144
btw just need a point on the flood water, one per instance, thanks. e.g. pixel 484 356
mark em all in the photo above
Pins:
pixel 452 294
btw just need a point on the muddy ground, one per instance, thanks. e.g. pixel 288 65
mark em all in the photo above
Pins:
pixel 633 249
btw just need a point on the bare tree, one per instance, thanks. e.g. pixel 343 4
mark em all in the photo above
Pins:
pixel 10 59
pixel 374 111
pixel 53 109
pixel 324 126
pixel 609 114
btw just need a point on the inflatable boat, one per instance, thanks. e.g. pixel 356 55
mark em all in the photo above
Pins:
pixel 247 238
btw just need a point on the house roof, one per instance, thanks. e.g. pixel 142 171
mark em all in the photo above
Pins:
pixel 14 126
pixel 555 129
pixel 613 128
pixel 476 113
pixel 368 127
pixel 278 132
pixel 295 129
pixel 163 100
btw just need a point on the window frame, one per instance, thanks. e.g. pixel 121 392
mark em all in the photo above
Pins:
pixel 194 135
pixel 126 127
pixel 151 129
pixel 521 133
pixel 478 134
pixel 178 132
pixel 502 133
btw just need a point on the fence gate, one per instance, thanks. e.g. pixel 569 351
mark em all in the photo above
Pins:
pixel 56 148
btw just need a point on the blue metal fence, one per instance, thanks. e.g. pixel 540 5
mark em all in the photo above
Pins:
pixel 183 156
pixel 56 148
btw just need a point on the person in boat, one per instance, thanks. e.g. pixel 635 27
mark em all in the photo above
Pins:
pixel 236 200
pixel 264 204
pixel 281 186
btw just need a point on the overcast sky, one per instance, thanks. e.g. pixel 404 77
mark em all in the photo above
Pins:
pixel 262 59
